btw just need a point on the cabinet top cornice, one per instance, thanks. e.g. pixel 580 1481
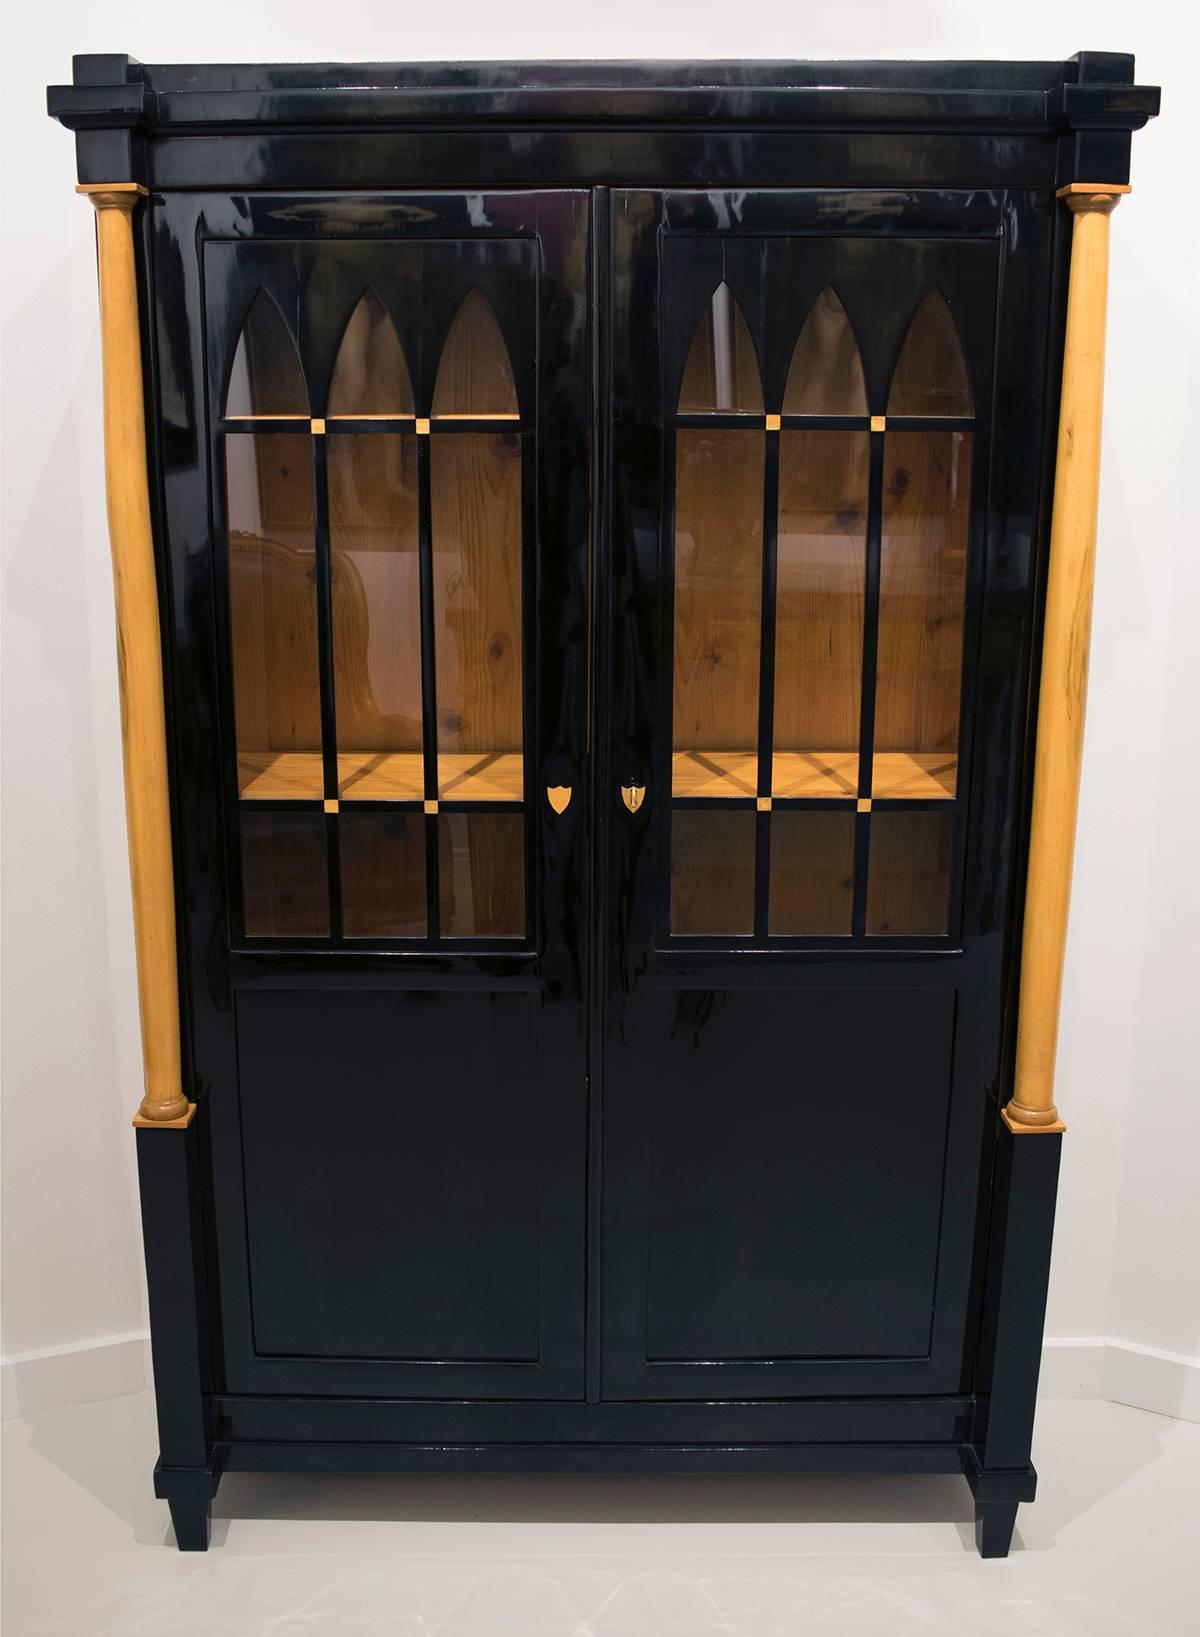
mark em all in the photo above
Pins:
pixel 122 111
pixel 1092 88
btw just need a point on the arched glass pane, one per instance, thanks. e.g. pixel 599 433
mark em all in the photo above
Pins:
pixel 721 373
pixel 826 373
pixel 474 375
pixel 931 373
pixel 266 378
pixel 370 376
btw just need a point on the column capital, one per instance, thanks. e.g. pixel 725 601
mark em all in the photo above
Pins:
pixel 1101 197
pixel 113 195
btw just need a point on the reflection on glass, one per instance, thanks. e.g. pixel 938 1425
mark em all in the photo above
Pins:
pixel 285 888
pixel 812 873
pixel 474 374
pixel 712 871
pixel 931 372
pixel 370 376
pixel 820 579
pixel 376 614
pixel 273 614
pixel 481 874
pixel 908 882
pixel 382 859
pixel 718 605
pixel 476 525
pixel 721 372
pixel 826 374
pixel 266 379
pixel 923 579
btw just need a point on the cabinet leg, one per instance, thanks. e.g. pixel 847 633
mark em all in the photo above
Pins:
pixel 994 1526
pixel 193 1524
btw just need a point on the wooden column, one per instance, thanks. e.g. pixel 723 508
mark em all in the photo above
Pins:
pixel 1065 646
pixel 139 656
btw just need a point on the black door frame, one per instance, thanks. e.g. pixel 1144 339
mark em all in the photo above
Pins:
pixel 1010 353
pixel 552 961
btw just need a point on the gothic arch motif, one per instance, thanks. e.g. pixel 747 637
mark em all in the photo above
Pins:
pixel 474 374
pixel 370 373
pixel 931 376
pixel 826 374
pixel 265 378
pixel 721 373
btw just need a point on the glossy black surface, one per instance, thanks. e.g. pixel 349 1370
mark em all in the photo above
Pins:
pixel 602 1198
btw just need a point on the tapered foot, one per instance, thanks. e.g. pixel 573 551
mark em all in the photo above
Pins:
pixel 994 1526
pixel 193 1524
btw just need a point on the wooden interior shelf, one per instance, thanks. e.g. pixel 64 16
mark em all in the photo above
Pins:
pixel 280 775
pixel 897 775
pixel 914 774
pixel 379 775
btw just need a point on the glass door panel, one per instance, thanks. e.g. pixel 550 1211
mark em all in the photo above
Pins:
pixel 376 572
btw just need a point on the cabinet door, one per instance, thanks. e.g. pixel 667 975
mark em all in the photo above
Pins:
pixel 397 446
pixel 810 792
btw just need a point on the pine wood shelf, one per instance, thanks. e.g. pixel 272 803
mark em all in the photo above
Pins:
pixel 899 775
pixel 377 775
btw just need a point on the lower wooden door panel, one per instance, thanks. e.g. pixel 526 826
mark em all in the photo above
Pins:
pixel 413 1198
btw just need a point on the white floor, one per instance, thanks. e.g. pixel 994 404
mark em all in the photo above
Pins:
pixel 1111 1546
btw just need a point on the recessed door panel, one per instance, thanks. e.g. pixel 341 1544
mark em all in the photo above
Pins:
pixel 805 911
pixel 797 1141
pixel 411 1234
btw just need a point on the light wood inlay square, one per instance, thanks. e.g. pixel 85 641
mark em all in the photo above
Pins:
pixel 864 804
pixel 763 804
pixel 430 806
pixel 774 423
pixel 329 805
pixel 422 426
pixel 317 428
pixel 878 423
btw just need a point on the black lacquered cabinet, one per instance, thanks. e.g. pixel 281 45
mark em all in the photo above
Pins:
pixel 601 519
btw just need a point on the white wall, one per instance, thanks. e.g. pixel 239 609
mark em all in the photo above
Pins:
pixel 1129 1219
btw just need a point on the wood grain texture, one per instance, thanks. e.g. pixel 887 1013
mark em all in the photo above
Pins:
pixel 376 591
pixel 825 376
pixel 382 862
pixel 476 526
pixel 474 374
pixel 1066 643
pixel 931 372
pixel 481 874
pixel 812 873
pixel 272 592
pixel 908 880
pixel 139 660
pixel 370 374
pixel 923 578
pixel 712 872
pixel 285 883
pixel 718 588
pixel 820 578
